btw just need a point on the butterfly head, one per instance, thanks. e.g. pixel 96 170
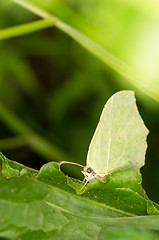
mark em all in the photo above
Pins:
pixel 89 173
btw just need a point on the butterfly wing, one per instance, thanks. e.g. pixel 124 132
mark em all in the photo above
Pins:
pixel 119 142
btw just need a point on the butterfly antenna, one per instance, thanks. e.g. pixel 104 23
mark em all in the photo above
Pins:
pixel 63 162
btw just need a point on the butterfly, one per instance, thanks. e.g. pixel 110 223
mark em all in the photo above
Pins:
pixel 119 141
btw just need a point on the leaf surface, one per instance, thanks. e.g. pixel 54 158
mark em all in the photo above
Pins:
pixel 44 204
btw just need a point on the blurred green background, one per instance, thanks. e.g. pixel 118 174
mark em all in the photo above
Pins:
pixel 52 90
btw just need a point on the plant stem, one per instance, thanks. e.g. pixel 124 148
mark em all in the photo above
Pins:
pixel 26 28
pixel 147 86
pixel 12 142
pixel 37 143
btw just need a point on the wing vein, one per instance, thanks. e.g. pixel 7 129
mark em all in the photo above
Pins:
pixel 108 155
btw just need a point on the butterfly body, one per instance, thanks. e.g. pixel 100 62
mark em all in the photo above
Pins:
pixel 119 141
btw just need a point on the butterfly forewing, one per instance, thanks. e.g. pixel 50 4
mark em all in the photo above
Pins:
pixel 119 142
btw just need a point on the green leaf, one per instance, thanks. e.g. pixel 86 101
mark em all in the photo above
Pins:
pixel 43 205
pixel 80 232
pixel 51 10
pixel 6 169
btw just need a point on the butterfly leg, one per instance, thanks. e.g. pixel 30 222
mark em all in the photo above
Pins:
pixel 86 181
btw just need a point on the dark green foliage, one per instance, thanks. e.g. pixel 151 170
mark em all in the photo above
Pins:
pixel 43 205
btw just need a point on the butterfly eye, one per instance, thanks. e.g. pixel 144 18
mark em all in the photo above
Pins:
pixel 89 170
